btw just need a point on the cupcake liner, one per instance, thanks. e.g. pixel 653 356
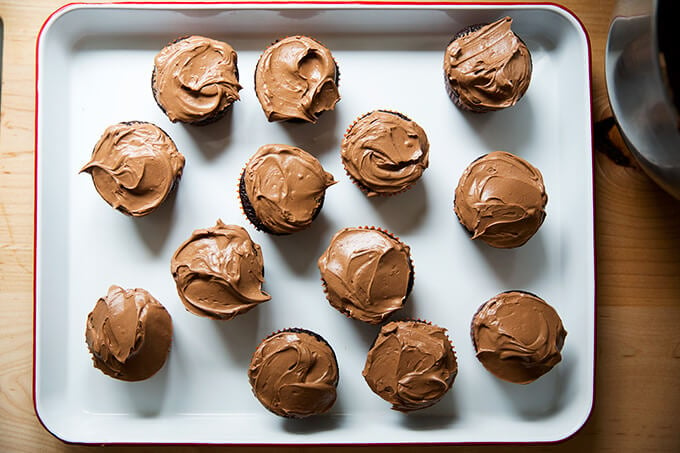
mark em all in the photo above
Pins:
pixel 409 286
pixel 209 119
pixel 365 189
pixel 337 71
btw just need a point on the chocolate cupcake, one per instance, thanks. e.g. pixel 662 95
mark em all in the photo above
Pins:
pixel 367 273
pixel 487 67
pixel 296 78
pixel 134 166
pixel 411 365
pixel 195 79
pixel 128 334
pixel 384 152
pixel 282 189
pixel 501 200
pixel 517 336
pixel 219 272
pixel 294 374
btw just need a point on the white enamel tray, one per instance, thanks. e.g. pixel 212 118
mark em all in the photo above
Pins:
pixel 94 69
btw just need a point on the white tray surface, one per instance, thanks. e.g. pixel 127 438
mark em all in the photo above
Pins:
pixel 94 70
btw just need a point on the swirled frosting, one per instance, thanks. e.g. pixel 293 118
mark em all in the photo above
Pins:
pixel 296 78
pixel 385 152
pixel 285 186
pixel 367 273
pixel 501 199
pixel 195 79
pixel 294 373
pixel 518 336
pixel 411 365
pixel 219 272
pixel 488 68
pixel 134 166
pixel 129 334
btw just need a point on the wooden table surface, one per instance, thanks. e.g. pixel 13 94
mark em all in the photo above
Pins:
pixel 637 404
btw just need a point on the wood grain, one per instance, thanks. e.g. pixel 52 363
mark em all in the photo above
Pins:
pixel 638 274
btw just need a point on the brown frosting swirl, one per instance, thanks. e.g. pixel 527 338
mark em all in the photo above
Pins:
pixel 134 166
pixel 219 272
pixel 294 373
pixel 518 336
pixel 501 199
pixel 367 273
pixel 285 187
pixel 385 152
pixel 129 334
pixel 195 78
pixel 488 68
pixel 411 365
pixel 296 78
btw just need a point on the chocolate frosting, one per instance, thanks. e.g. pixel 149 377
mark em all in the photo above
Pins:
pixel 518 336
pixel 134 167
pixel 195 78
pixel 296 78
pixel 501 199
pixel 286 187
pixel 219 272
pixel 367 273
pixel 489 68
pixel 411 365
pixel 294 373
pixel 385 152
pixel 129 334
